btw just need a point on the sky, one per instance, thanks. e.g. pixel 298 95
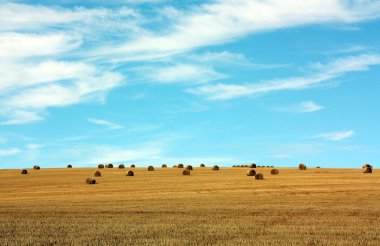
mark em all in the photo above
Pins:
pixel 222 82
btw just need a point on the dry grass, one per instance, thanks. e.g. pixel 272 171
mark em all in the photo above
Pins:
pixel 56 207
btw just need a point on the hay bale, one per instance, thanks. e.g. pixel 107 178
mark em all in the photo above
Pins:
pixel 24 171
pixel 150 168
pixel 100 166
pixel 175 166
pixel 130 173
pixel 133 165
pixel 36 167
pixel 189 167
pixel 317 167
pixel 367 170
pixel 186 172
pixel 97 174
pixel 69 166
pixel 110 165
pixel 367 165
pixel 121 166
pixel 246 165
pixel 233 165
pixel 251 172
pixel 164 166
pixel 202 165
pixel 90 181
pixel 215 168
pixel 180 165
pixel 259 176
pixel 252 165
pixel 274 172
pixel 302 166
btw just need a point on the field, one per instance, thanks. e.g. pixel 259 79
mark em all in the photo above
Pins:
pixel 226 207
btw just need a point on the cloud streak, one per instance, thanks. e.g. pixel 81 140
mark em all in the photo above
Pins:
pixel 324 73
pixel 336 136
pixel 105 123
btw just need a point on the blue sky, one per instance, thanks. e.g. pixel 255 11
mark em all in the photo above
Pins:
pixel 158 81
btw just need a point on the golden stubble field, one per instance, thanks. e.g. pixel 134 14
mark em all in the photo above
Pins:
pixel 226 207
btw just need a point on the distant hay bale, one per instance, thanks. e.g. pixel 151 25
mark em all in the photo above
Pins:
pixel 233 165
pixel 274 172
pixel 271 166
pixel 110 165
pixel 180 165
pixel 317 167
pixel 302 166
pixel 175 166
pixel 367 170
pixel 202 165
pixel 259 176
pixel 130 173
pixel 246 165
pixel 215 168
pixel 189 167
pixel 100 166
pixel 69 166
pixel 251 172
pixel 186 172
pixel 90 181
pixel 268 166
pixel 36 167
pixel 253 165
pixel 164 166
pixel 150 168
pixel 133 165
pixel 97 174
pixel 24 171
pixel 121 166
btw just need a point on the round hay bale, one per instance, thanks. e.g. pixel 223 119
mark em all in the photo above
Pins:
pixel 175 166
pixel 367 170
pixel 317 167
pixel 24 171
pixel 259 176
pixel 100 166
pixel 69 166
pixel 110 165
pixel 233 165
pixel 180 165
pixel 251 172
pixel 97 174
pixel 121 166
pixel 302 166
pixel 186 172
pixel 90 181
pixel 150 168
pixel 130 173
pixel 215 168
pixel 253 165
pixel 274 172
pixel 36 167
pixel 189 167
pixel 202 165
pixel 164 166
pixel 133 165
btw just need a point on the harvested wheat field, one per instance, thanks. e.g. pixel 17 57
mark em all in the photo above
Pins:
pixel 56 207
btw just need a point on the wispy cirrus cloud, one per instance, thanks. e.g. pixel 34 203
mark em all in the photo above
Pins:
pixel 8 152
pixel 336 136
pixel 322 73
pixel 303 107
pixel 105 123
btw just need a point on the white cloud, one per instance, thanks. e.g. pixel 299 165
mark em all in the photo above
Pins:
pixel 181 73
pixel 8 152
pixel 336 136
pixel 303 107
pixel 226 20
pixel 26 105
pixel 106 123
pixel 324 73
pixel 34 146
